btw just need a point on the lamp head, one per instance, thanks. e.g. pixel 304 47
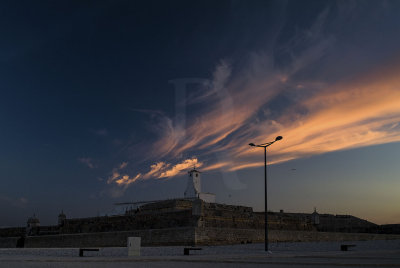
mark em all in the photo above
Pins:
pixel 278 138
pixel 252 144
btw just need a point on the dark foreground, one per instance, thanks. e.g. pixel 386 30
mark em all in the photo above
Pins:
pixel 307 254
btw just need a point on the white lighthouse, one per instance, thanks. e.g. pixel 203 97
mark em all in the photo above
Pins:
pixel 193 188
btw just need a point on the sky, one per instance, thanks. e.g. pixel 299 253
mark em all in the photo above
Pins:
pixel 115 101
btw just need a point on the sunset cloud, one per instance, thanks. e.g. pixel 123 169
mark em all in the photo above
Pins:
pixel 350 114
pixel 181 167
pixel 20 202
pixel 87 161
pixel 309 99
pixel 157 171
pixel 115 174
pixel 344 115
pixel 125 180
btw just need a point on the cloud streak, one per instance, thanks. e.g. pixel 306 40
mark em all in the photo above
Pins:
pixel 20 202
pixel 262 98
pixel 348 115
pixel 87 161
pixel 158 170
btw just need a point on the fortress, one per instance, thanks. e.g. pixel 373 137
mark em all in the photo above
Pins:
pixel 193 220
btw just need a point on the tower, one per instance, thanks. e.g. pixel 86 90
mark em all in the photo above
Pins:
pixel 193 188
pixel 33 222
pixel 33 225
pixel 315 217
pixel 61 218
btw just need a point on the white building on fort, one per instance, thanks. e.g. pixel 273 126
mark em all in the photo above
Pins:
pixel 193 188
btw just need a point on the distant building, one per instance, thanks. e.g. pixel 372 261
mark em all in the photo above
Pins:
pixel 32 225
pixel 193 188
pixel 33 222
pixel 61 218
pixel 193 220
pixel 315 217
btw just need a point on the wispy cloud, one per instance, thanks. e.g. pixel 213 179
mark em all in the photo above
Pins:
pixel 315 115
pixel 343 116
pixel 20 202
pixel 116 172
pixel 316 112
pixel 180 167
pixel 100 132
pixel 87 161
pixel 158 170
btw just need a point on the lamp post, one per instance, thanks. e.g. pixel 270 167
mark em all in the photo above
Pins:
pixel 265 145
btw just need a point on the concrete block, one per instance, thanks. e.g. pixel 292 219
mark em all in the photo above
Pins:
pixel 134 246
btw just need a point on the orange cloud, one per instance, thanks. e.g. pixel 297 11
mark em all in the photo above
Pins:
pixel 157 170
pixel 125 180
pixel 215 166
pixel 315 116
pixel 343 116
pixel 334 117
pixel 325 118
pixel 181 167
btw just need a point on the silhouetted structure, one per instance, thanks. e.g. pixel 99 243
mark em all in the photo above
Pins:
pixel 186 221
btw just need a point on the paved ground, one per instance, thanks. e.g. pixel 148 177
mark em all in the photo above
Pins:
pixel 298 255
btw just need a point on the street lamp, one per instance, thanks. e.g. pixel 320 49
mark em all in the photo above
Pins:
pixel 265 145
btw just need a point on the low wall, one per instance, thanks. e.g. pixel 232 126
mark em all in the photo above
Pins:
pixel 8 242
pixel 12 232
pixel 153 237
pixel 220 236
pixel 187 236
pixel 305 236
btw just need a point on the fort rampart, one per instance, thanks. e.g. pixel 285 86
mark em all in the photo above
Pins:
pixel 190 222
pixel 186 237
pixel 153 237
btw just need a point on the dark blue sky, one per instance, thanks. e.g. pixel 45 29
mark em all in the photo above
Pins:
pixel 89 114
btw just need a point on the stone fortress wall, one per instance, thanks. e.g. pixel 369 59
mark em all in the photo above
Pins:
pixel 194 220
pixel 345 223
pixel 189 222
pixel 191 236
pixel 150 237
pixel 12 232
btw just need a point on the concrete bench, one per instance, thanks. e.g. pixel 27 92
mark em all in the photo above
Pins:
pixel 81 250
pixel 186 250
pixel 345 247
